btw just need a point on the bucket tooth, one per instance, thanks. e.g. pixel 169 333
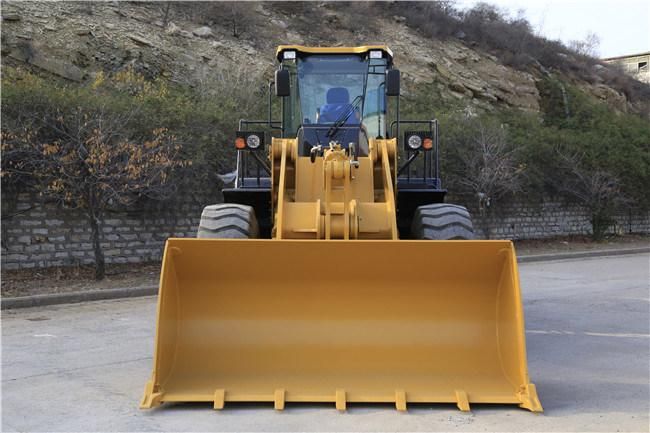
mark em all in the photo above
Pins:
pixel 340 400
pixel 219 399
pixel 529 399
pixel 400 400
pixel 278 399
pixel 462 401
pixel 151 397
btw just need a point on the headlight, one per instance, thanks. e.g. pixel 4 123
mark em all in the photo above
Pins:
pixel 415 142
pixel 253 141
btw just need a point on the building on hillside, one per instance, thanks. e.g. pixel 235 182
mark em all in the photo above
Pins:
pixel 636 65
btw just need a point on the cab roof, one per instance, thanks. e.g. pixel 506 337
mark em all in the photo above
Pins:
pixel 333 50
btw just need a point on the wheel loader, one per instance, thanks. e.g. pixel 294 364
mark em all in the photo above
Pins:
pixel 334 271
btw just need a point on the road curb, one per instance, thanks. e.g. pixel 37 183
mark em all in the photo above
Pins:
pixel 76 297
pixel 132 292
pixel 581 254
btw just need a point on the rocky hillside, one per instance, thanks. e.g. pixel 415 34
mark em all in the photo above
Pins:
pixel 185 42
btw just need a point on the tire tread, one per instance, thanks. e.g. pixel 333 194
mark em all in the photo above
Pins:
pixel 442 221
pixel 228 221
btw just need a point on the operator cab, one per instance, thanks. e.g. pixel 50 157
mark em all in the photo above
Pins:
pixel 334 97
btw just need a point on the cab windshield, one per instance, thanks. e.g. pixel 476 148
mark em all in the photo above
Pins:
pixel 337 89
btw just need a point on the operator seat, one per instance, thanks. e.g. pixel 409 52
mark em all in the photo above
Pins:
pixel 338 103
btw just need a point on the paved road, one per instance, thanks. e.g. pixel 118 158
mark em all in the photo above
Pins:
pixel 83 367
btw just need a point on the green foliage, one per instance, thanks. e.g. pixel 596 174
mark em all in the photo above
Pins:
pixel 118 141
pixel 616 143
pixel 202 119
pixel 576 148
pixel 424 100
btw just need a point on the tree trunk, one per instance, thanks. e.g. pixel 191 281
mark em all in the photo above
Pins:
pixel 100 268
pixel 485 226
pixel 166 18
pixel 600 222
pixel 485 218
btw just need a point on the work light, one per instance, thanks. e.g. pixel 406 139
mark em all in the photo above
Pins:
pixel 414 142
pixel 253 141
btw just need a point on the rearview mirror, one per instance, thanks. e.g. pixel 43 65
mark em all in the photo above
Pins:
pixel 282 83
pixel 392 82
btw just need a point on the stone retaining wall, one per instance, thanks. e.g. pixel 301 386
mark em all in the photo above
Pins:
pixel 551 219
pixel 36 235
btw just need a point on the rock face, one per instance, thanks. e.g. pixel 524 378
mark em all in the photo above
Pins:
pixel 74 42
pixel 464 73
pixel 202 32
pixel 54 66
pixel 608 95
pixel 11 17
pixel 141 41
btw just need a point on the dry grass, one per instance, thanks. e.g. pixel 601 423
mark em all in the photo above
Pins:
pixel 579 243
pixel 25 282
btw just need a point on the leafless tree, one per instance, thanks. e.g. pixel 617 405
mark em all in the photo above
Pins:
pixel 486 165
pixel 595 189
pixel 166 8
pixel 82 159
pixel 228 84
pixel 235 15
pixel 85 7
pixel 238 17
pixel 587 47
pixel 26 50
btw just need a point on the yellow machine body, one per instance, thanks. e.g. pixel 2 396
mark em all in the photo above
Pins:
pixel 335 308
pixel 331 199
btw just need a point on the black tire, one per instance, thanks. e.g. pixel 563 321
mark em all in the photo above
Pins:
pixel 442 221
pixel 228 221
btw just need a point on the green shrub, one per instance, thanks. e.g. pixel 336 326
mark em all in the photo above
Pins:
pixel 611 147
pixel 575 148
pixel 202 119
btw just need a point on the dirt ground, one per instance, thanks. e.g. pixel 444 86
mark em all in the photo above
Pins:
pixel 26 282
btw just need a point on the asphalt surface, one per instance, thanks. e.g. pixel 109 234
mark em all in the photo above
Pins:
pixel 83 367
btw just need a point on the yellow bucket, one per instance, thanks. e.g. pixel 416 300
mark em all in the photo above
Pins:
pixel 340 321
